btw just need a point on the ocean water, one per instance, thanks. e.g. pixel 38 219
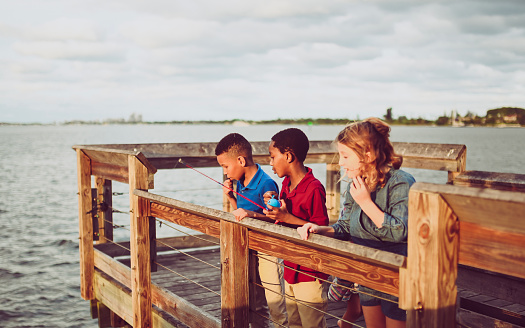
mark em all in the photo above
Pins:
pixel 39 260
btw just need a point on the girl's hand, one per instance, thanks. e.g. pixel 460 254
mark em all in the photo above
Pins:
pixel 359 191
pixel 307 229
pixel 276 213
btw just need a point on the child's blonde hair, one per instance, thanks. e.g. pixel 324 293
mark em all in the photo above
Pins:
pixel 371 135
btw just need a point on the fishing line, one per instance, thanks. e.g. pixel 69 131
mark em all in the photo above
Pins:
pixel 251 201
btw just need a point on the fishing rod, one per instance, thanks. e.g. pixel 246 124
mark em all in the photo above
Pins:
pixel 191 167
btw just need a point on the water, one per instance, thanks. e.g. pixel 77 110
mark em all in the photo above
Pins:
pixel 39 269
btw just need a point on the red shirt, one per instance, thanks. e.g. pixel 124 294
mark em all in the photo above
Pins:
pixel 308 202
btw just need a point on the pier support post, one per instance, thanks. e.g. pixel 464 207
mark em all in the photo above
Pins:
pixel 234 275
pixel 428 284
pixel 105 213
pixel 140 246
pixel 85 224
pixel 333 191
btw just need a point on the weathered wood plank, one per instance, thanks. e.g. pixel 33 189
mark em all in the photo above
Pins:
pixel 428 284
pixel 192 221
pixel 111 172
pixel 85 225
pixel 447 157
pixel 163 299
pixel 384 279
pixel 492 249
pixel 118 298
pixel 491 208
pixel 492 180
pixel 140 245
pixel 234 275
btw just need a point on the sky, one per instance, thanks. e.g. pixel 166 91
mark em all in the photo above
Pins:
pixel 175 60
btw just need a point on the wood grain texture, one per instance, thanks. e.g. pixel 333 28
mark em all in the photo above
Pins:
pixel 163 299
pixel 140 245
pixel 234 275
pixel 333 191
pixel 85 225
pixel 192 221
pixel 428 284
pixel 492 249
pixel 105 213
pixel 492 180
pixel 384 279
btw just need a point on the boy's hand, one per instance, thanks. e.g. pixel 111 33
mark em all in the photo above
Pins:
pixel 276 213
pixel 268 195
pixel 359 191
pixel 307 229
pixel 241 213
pixel 228 183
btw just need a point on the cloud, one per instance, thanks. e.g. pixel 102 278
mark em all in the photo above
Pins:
pixel 69 50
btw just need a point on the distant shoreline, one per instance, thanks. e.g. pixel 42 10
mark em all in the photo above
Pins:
pixel 245 123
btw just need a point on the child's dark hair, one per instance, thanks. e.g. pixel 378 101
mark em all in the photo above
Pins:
pixel 292 140
pixel 234 143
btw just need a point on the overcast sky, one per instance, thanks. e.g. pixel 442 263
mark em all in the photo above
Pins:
pixel 213 60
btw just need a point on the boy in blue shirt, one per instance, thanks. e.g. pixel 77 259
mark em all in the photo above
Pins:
pixel 234 155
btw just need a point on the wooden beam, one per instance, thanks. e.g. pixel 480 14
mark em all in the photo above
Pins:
pixel 111 172
pixel 118 298
pixel 428 284
pixel 492 249
pixel 140 246
pixel 492 180
pixel 178 307
pixel 193 221
pixel 85 226
pixel 234 275
pixel 385 279
pixel 490 208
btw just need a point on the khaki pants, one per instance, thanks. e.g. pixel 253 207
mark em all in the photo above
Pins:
pixel 312 293
pixel 271 278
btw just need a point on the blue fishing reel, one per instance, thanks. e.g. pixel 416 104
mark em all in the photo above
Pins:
pixel 274 202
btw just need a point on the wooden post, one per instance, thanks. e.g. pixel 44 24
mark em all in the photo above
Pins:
pixel 226 205
pixel 139 246
pixel 462 167
pixel 87 259
pixel 428 285
pixel 234 275
pixel 105 213
pixel 333 191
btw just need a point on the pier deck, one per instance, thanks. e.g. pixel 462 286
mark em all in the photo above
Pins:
pixel 210 301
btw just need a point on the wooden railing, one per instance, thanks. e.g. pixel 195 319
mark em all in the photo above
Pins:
pixel 136 165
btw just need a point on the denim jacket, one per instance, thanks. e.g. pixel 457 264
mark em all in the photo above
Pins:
pixel 354 225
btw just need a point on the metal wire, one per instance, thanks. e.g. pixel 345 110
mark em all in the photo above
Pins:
pixel 188 255
pixel 265 317
pixel 330 282
pixel 184 232
pixel 305 304
pixel 188 279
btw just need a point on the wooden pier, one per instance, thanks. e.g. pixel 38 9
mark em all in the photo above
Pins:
pixel 467 238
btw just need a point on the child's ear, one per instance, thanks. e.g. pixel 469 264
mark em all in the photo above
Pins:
pixel 290 157
pixel 368 157
pixel 241 160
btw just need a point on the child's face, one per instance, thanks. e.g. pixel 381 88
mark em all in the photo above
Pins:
pixel 231 166
pixel 349 161
pixel 278 161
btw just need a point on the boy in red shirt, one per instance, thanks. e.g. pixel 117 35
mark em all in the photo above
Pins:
pixel 303 199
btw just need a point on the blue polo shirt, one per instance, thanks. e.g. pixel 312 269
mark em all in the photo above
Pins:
pixel 259 184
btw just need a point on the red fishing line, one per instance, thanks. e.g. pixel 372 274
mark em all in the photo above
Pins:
pixel 191 167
